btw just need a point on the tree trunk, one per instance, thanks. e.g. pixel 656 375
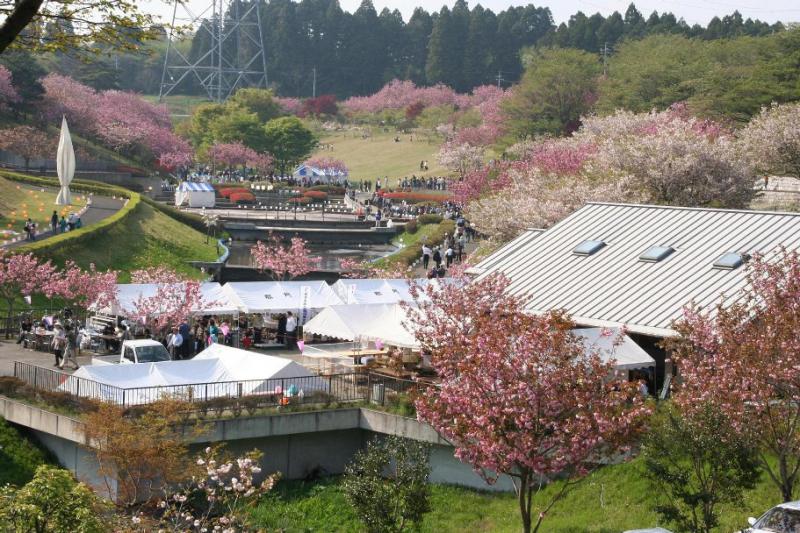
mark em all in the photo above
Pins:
pixel 20 17
pixel 522 500
pixel 787 481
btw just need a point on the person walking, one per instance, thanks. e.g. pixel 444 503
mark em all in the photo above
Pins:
pixel 58 344
pixel 449 255
pixel 437 257
pixel 71 348
pixel 426 256
pixel 186 347
pixel 174 344
pixel 291 331
pixel 62 224
pixel 54 223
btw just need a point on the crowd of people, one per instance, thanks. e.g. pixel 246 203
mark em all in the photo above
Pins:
pixel 431 183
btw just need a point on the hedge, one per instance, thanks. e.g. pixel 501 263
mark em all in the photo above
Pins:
pixel 190 219
pixel 83 234
pixel 316 195
pixel 228 191
pixel 240 197
pixel 409 254
pixel 429 219
pixel 330 189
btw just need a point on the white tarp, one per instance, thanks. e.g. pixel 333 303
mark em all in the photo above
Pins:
pixel 384 322
pixel 278 296
pixel 65 164
pixel 215 300
pixel 195 194
pixel 217 371
pixel 627 354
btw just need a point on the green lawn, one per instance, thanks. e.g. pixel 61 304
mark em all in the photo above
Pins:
pixel 146 238
pixel 19 201
pixel 380 155
pixel 611 500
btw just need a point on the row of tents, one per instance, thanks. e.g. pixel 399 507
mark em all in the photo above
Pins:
pixel 250 297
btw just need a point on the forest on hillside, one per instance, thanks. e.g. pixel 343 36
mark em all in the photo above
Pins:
pixel 357 53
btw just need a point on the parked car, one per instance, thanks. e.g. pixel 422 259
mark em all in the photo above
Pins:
pixel 135 351
pixel 783 518
pixel 648 530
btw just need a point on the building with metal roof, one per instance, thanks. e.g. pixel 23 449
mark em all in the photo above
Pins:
pixel 638 265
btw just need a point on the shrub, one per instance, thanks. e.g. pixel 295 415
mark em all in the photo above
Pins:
pixel 411 227
pixel 318 196
pixel 20 456
pixel 228 191
pixel 300 200
pixel 242 197
pixel 429 219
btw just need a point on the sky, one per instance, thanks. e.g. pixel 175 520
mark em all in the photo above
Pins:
pixel 693 11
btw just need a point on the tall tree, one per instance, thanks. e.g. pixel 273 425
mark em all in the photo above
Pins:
pixel 288 141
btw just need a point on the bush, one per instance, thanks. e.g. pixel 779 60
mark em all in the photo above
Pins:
pixel 242 197
pixel 300 200
pixel 318 196
pixel 228 191
pixel 429 219
pixel 411 227
pixel 20 457
pixel 415 197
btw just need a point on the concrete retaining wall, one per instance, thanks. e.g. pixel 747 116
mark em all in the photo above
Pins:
pixel 299 445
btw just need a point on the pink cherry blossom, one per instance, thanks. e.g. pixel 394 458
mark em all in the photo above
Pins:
pixel 285 262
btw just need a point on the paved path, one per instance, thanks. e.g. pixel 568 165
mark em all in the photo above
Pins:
pixel 100 208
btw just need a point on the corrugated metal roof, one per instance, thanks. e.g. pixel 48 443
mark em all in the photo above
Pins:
pixel 505 251
pixel 613 287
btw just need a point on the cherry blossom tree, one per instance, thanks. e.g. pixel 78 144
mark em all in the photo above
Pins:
pixel 531 403
pixel 741 358
pixel 285 262
pixel 27 142
pixel 355 269
pixel 330 165
pixel 237 154
pixel 8 93
pixel 291 106
pixel 176 298
pixel 771 140
pixel 460 158
pixel 83 288
pixel 24 275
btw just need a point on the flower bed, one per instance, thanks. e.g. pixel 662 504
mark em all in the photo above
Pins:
pixel 317 196
pixel 414 197
pixel 226 192
pixel 302 200
pixel 244 197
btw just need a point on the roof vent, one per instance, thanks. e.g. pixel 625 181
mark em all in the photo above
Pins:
pixel 587 248
pixel 654 254
pixel 731 261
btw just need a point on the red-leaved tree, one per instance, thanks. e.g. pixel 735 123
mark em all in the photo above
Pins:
pixel 519 394
pixel 285 262
pixel 741 357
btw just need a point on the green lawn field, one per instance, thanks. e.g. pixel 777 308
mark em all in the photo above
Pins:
pixel 379 155
pixel 611 500
pixel 19 201
pixel 146 238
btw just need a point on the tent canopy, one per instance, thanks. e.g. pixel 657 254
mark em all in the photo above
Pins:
pixel 627 354
pixel 385 322
pixel 196 194
pixel 383 291
pixel 217 371
pixel 215 300
pixel 277 296
pixel 315 173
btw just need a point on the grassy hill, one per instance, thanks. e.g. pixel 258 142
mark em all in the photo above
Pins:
pixel 17 199
pixel 147 238
pixel 611 500
pixel 380 155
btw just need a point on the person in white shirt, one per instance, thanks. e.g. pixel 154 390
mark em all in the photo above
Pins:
pixel 174 344
pixel 426 256
pixel 291 330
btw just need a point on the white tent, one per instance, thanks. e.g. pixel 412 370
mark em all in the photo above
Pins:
pixel 217 371
pixel 215 300
pixel 384 322
pixel 627 354
pixel 65 164
pixel 381 291
pixel 195 194
pixel 277 296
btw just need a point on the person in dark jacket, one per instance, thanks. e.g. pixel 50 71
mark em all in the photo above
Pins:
pixel 437 258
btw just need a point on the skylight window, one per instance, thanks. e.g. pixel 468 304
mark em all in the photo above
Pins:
pixel 731 261
pixel 654 254
pixel 587 248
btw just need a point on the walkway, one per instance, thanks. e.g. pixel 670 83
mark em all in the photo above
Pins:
pixel 100 208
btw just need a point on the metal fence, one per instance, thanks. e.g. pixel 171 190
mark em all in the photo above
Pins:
pixel 321 389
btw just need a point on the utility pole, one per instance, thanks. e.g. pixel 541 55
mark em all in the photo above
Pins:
pixel 605 51
pixel 314 83
pixel 499 78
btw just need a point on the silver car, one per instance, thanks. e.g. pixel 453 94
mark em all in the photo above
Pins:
pixel 783 518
